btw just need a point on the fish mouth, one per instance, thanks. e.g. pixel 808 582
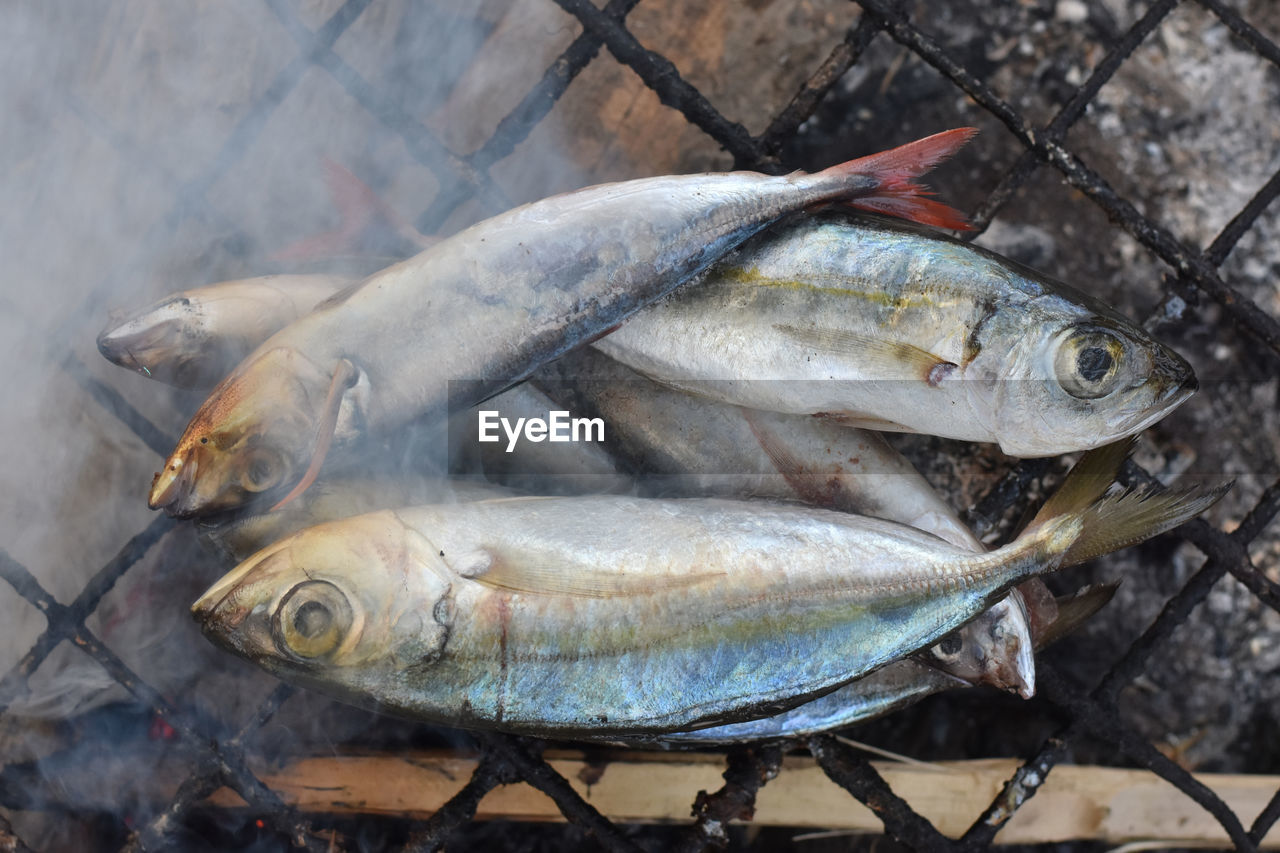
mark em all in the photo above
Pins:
pixel 1017 675
pixel 1178 381
pixel 1189 386
pixel 173 485
pixel 225 620
pixel 235 613
pixel 114 347
pixel 1176 373
pixel 135 345
pixel 208 610
pixel 223 607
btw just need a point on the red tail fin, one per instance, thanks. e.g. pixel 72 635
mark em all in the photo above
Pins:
pixel 898 195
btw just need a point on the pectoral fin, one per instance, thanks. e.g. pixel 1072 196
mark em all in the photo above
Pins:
pixel 344 376
pixel 798 477
pixel 535 575
pixel 861 420
pixel 889 359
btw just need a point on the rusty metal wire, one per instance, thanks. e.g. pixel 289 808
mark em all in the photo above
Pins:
pixel 219 761
pixel 748 769
pixel 492 771
pixel 854 773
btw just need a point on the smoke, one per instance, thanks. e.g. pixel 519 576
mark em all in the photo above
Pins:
pixel 156 147
pixel 146 149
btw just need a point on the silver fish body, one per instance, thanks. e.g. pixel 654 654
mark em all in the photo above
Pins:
pixel 194 338
pixel 884 691
pixel 689 446
pixel 898 685
pixel 477 312
pixel 334 498
pixel 604 614
pixel 699 446
pixel 888 327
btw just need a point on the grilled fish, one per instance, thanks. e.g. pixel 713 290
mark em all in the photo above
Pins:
pixel 875 324
pixel 698 446
pixel 194 338
pixel 599 615
pixel 480 310
pixel 884 691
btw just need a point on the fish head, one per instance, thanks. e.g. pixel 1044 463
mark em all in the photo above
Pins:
pixel 995 648
pixel 252 438
pixel 340 605
pixel 166 341
pixel 1068 381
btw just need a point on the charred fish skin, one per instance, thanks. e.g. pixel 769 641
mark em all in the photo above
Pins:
pixel 581 616
pixel 888 327
pixel 539 280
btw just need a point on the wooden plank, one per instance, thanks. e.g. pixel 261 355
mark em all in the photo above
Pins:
pixel 1076 803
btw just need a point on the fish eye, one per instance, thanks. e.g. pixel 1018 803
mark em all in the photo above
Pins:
pixel 312 620
pixel 1087 363
pixel 949 647
pixel 263 469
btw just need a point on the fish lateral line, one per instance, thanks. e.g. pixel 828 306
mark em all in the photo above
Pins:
pixel 882 298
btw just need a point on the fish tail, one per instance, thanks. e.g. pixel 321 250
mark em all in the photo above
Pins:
pixel 1087 481
pixel 1118 521
pixel 1115 521
pixel 893 190
pixel 1073 611
pixel 1081 521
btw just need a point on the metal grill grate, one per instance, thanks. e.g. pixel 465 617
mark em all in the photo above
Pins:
pixel 221 760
